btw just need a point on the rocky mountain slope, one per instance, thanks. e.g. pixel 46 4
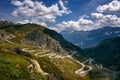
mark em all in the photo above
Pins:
pixel 43 37
pixel 85 39
pixel 32 51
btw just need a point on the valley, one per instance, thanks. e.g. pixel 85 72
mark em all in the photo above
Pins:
pixel 48 62
pixel 88 39
pixel 59 39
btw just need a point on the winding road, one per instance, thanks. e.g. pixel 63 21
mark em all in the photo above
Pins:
pixel 38 68
pixel 80 72
pixel 35 62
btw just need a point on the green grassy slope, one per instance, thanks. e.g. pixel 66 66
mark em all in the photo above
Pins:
pixel 20 31
pixel 107 52
pixel 14 61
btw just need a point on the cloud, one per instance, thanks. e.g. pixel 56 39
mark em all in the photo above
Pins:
pixel 113 6
pixel 80 24
pixel 37 12
pixel 84 21
pixel 34 10
pixel 63 7
pixel 106 20
pixel 103 16
pixel 17 3
pixel 29 3
pixel 100 20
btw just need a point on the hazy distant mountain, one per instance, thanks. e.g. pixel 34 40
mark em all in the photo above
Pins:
pixel 91 38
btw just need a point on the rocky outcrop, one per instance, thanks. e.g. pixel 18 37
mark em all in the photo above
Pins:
pixel 41 39
pixel 6 35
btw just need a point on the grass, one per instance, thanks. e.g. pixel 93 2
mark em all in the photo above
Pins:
pixel 17 39
pixel 86 68
pixel 99 74
pixel 12 67
pixel 38 76
pixel 64 68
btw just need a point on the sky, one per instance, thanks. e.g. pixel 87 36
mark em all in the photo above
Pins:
pixel 63 15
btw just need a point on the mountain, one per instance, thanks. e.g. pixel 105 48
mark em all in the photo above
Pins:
pixel 31 51
pixel 5 23
pixel 107 53
pixel 43 37
pixel 86 39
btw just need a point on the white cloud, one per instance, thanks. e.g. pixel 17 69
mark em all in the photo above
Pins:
pixel 15 13
pixel 97 15
pixel 38 12
pixel 29 3
pixel 30 10
pixel 80 24
pixel 16 3
pixel 101 20
pixel 113 6
pixel 84 21
pixel 106 20
pixel 104 16
pixel 63 7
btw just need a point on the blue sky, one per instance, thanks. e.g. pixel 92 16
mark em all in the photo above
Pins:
pixel 62 14
pixel 75 6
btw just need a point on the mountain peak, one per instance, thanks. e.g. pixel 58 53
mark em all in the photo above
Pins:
pixel 4 22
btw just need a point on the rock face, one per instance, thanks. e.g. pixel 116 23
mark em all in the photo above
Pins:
pixel 51 40
pixel 38 38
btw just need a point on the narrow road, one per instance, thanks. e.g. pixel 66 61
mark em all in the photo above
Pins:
pixel 35 62
pixel 11 42
pixel 74 52
pixel 38 68
pixel 89 61
pixel 81 71
pixel 26 50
